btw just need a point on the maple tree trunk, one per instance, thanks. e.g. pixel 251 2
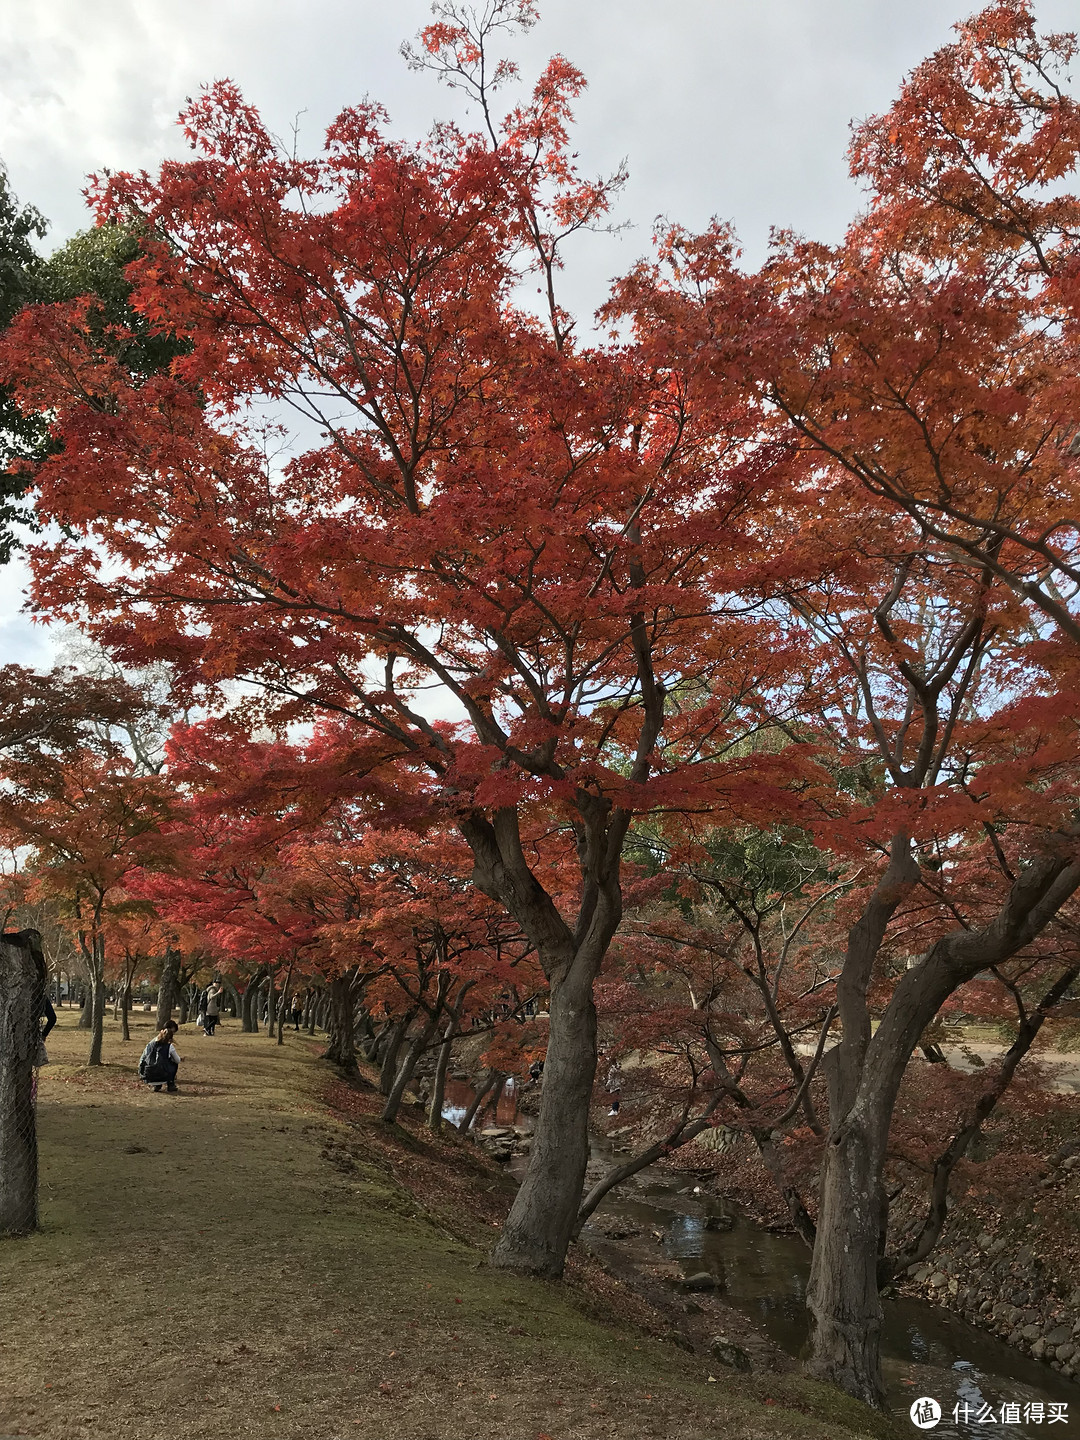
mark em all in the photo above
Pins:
pixel 22 980
pixel 843 1295
pixel 94 955
pixel 271 1006
pixel 341 1049
pixel 168 986
pixel 438 1084
pixel 86 1014
pixel 395 1040
pixel 405 1074
pixel 125 1012
pixel 540 1225
pixel 849 1262
pixel 412 1056
pixel 249 1008
pixel 97 1028
pixel 283 1012
pixel 865 1072
pixel 495 1080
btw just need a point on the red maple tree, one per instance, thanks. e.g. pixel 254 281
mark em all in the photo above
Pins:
pixel 545 536
pixel 921 380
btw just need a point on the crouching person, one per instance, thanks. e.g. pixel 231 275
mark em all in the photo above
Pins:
pixel 160 1061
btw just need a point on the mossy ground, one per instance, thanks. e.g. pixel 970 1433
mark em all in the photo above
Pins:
pixel 243 1260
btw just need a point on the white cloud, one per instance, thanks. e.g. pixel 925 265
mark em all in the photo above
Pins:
pixel 21 641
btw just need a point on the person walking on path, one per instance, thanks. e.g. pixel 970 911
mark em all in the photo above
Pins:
pixel 297 1011
pixel 160 1060
pixel 213 1009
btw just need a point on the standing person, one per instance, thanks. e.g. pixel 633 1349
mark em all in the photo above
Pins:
pixel 46 1019
pixel 213 1009
pixel 614 1085
pixel 160 1060
pixel 297 1011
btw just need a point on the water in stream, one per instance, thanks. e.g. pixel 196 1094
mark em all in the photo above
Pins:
pixel 926 1350
pixel 457 1097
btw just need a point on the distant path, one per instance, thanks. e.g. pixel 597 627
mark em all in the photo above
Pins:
pixel 1062 1067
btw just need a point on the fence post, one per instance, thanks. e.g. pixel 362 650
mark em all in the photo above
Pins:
pixel 22 982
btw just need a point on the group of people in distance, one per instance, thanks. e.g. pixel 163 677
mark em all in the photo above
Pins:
pixel 160 1061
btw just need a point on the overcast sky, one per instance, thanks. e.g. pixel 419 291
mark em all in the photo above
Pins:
pixel 735 108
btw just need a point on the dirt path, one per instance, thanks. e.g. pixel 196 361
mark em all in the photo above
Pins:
pixel 1061 1068
pixel 235 1261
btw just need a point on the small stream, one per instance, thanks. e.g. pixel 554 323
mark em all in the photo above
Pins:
pixel 926 1350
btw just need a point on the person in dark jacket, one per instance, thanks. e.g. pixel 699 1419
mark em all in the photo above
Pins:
pixel 160 1060
pixel 46 1019
pixel 48 1014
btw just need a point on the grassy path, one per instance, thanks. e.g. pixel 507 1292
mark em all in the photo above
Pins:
pixel 238 1260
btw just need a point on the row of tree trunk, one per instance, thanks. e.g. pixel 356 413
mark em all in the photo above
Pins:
pixel 397 1046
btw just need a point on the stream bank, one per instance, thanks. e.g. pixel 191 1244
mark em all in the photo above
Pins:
pixel 1009 1257
pixel 762 1275
pixel 736 1291
pixel 1008 1290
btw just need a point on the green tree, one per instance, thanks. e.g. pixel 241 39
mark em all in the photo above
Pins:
pixel 22 435
pixel 92 262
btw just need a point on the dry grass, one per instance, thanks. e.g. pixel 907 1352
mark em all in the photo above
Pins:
pixel 241 1260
